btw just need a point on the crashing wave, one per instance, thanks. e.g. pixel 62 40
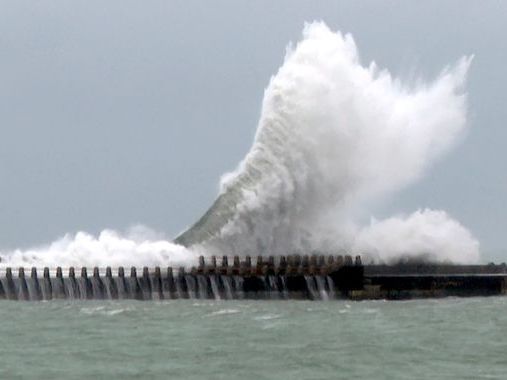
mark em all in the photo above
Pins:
pixel 335 136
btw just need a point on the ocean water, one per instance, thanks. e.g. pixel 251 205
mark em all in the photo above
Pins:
pixel 424 339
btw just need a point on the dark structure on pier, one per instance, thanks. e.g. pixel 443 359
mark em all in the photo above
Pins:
pixel 292 277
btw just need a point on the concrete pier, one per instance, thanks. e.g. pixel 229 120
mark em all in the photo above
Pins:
pixel 314 277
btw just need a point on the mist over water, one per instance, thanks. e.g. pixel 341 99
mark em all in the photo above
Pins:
pixel 335 138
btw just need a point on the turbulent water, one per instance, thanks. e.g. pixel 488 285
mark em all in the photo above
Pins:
pixel 430 339
pixel 335 138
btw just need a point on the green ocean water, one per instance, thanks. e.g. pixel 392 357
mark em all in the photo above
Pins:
pixel 185 339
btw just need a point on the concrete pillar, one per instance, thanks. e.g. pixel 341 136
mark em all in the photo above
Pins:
pixel 191 283
pixel 246 267
pixel 259 265
pixel 111 289
pixel 224 266
pixel 98 287
pixel 22 286
pixel 121 284
pixel 226 286
pixel 35 291
pixel 330 261
pixel 3 296
pixel 10 288
pixel 236 261
pixel 282 266
pixel 271 260
pixel 85 286
pixel 57 285
pixel 313 260
pixel 298 260
pixel 321 262
pixel 292 265
pixel 134 288
pixel 290 260
pixel 168 285
pixel 236 265
pixel 203 286
pixel 339 261
pixel 71 285
pixel 305 261
pixel 156 284
pixel 202 264
pixel 47 291
pixel 181 284
pixel 225 261
pixel 145 284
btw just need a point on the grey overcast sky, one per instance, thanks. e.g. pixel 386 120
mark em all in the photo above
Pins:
pixel 114 113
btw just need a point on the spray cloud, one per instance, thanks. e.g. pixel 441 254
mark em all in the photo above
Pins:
pixel 334 137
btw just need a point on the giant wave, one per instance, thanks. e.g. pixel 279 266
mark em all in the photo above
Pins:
pixel 334 138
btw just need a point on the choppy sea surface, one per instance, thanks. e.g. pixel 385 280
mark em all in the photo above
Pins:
pixel 425 339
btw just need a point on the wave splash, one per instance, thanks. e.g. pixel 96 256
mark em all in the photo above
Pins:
pixel 137 247
pixel 335 137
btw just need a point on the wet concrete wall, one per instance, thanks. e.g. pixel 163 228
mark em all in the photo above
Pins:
pixel 292 277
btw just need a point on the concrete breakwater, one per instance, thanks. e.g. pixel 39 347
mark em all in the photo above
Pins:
pixel 292 277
